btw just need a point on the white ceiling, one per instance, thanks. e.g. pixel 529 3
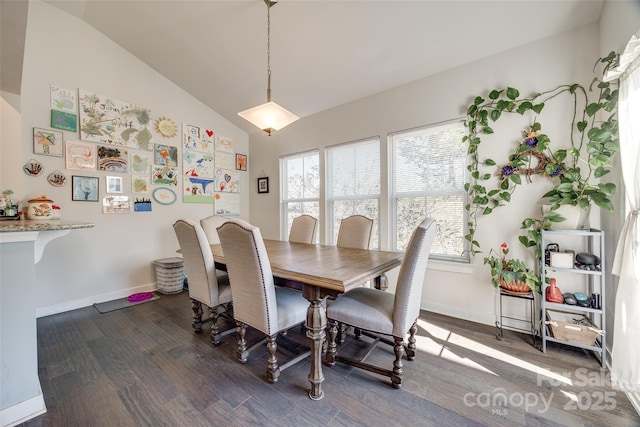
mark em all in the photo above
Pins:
pixel 323 53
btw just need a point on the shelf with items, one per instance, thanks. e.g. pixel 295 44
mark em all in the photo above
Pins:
pixel 588 279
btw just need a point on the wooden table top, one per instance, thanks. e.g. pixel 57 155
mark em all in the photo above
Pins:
pixel 328 267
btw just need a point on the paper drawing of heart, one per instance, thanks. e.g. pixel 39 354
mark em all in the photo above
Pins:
pixel 227 177
pixel 209 133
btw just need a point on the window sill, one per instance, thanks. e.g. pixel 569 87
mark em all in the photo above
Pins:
pixel 451 266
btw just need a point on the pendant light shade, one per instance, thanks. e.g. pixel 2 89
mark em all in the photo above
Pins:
pixel 269 116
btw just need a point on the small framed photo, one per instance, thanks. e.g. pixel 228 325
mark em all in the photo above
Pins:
pixel 241 162
pixel 47 142
pixel 114 184
pixel 84 188
pixel 263 185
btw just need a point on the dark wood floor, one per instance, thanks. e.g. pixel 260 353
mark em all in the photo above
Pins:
pixel 144 366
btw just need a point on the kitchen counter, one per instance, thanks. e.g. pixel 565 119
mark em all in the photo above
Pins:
pixel 22 245
pixel 7 226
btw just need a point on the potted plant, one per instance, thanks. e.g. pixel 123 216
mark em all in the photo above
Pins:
pixel 512 275
pixel 572 169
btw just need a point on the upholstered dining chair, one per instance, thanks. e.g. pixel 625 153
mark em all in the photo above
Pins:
pixel 210 225
pixel 384 313
pixel 257 302
pixel 304 229
pixel 205 285
pixel 355 232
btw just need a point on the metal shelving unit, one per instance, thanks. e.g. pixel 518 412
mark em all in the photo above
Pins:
pixel 594 282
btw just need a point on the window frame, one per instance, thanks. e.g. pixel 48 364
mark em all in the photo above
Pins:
pixel 284 200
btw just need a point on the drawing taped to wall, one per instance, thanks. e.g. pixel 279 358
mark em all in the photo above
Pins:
pixel 113 159
pixel 227 204
pixel 165 155
pixel 164 175
pixel 197 189
pixel 227 181
pixel 79 156
pixel 111 121
pixel 197 164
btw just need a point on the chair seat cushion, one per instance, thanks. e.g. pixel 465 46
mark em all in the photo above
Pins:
pixel 292 307
pixel 365 308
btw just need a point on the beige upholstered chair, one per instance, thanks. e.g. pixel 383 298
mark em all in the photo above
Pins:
pixel 304 229
pixel 205 286
pixel 355 232
pixel 385 313
pixel 257 302
pixel 210 225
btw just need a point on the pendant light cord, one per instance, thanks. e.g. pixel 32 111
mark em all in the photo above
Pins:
pixel 269 51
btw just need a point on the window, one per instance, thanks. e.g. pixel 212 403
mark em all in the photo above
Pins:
pixel 428 168
pixel 353 184
pixel 300 174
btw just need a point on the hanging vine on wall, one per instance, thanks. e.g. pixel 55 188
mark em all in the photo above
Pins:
pixel 592 145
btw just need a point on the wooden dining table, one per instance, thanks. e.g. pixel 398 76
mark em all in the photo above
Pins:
pixel 320 271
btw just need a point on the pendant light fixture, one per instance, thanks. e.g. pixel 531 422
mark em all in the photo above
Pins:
pixel 269 116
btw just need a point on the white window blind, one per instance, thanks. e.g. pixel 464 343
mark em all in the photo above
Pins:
pixel 300 184
pixel 428 177
pixel 353 177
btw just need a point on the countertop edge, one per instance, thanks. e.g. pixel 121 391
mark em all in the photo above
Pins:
pixel 37 225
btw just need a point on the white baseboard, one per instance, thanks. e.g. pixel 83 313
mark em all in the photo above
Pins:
pixel 445 310
pixel 93 299
pixel 23 411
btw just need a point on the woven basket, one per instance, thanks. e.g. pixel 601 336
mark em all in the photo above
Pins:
pixel 514 286
pixel 567 329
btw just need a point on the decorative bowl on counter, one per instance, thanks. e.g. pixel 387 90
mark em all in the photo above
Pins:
pixel 42 208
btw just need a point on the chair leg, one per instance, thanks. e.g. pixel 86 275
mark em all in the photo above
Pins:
pixel 273 371
pixel 396 374
pixel 411 348
pixel 242 352
pixel 343 333
pixel 215 331
pixel 196 306
pixel 331 351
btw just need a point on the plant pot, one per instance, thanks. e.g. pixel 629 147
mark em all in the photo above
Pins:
pixel 575 217
pixel 514 286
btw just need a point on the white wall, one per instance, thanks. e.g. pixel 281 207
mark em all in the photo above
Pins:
pixel 453 290
pixel 114 259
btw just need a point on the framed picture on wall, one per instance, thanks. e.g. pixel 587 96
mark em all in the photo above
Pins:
pixel 263 185
pixel 84 188
pixel 241 162
pixel 114 184
pixel 47 142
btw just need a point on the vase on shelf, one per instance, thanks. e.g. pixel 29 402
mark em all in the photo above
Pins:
pixel 575 217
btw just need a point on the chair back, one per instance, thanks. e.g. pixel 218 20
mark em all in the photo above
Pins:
pixel 210 225
pixel 250 276
pixel 406 308
pixel 355 232
pixel 198 262
pixel 304 229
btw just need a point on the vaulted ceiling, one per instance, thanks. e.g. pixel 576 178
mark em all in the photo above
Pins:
pixel 323 53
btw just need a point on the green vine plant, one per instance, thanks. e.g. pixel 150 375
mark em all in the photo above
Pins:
pixel 593 143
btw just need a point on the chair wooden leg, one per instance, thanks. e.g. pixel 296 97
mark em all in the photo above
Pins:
pixel 396 374
pixel 196 306
pixel 343 333
pixel 273 371
pixel 242 352
pixel 411 348
pixel 215 331
pixel 331 351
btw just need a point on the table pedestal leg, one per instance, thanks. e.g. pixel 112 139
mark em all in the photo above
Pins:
pixel 316 324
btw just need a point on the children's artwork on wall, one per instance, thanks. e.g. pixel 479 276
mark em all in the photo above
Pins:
pixel 227 181
pixel 164 196
pixel 32 168
pixel 116 204
pixel 224 160
pixel 63 120
pixel 114 184
pixel 80 156
pixel 47 142
pixel 166 127
pixel 164 175
pixel 197 190
pixel 196 139
pixel 227 204
pixel 142 205
pixel 113 159
pixel 63 99
pixel 57 178
pixel 84 188
pixel 241 162
pixel 110 121
pixel 165 155
pixel 140 184
pixel 197 164
pixel 141 162
pixel 224 144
